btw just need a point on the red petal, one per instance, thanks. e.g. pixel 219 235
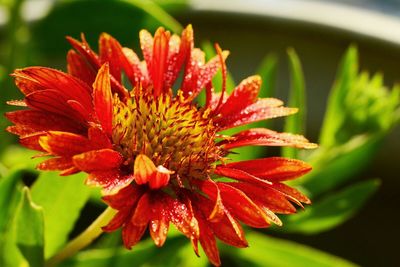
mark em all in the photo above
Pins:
pixel 146 172
pixel 244 94
pixel 30 121
pixel 69 171
pixel 124 198
pixel 192 73
pixel 78 107
pixel 78 67
pixel 131 234
pixel 143 210
pixel 216 98
pixel 292 193
pixel 111 181
pixel 25 83
pixel 210 188
pixel 179 53
pixel 209 97
pixel 84 49
pixel 159 230
pixel 159 60
pixel 261 110
pixel 208 242
pixel 118 220
pixel 98 160
pixel 229 231
pixel 160 178
pixel 17 103
pixel 110 52
pixel 266 137
pixel 55 164
pixel 31 141
pixel 102 99
pixel 41 78
pixel 143 169
pixel 267 197
pixel 198 74
pixel 242 207
pixel 146 44
pixel 64 144
pixel 181 215
pixel 53 101
pixel 224 75
pixel 172 69
pixel 240 175
pixel 272 169
pixel 227 228
pixel 210 69
pixel 133 68
pixel 98 138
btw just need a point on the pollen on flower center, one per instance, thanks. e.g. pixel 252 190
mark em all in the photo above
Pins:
pixel 173 133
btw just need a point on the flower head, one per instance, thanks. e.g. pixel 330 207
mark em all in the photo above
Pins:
pixel 157 154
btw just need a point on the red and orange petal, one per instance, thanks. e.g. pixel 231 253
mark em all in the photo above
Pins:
pixel 70 117
pixel 203 217
pixel 102 99
pixel 266 137
pixel 146 172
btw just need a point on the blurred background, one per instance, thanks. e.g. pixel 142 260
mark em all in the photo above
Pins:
pixel 32 32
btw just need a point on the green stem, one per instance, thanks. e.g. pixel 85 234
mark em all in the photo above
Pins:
pixel 84 239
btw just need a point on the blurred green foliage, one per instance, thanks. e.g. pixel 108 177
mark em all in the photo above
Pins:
pixel 357 99
pixel 296 123
pixel 30 240
pixel 360 113
pixel 62 201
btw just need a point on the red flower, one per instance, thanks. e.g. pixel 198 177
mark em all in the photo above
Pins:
pixel 157 154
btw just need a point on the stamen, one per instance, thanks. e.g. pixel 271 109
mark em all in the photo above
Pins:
pixel 170 131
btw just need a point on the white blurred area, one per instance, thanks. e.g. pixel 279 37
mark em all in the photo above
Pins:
pixel 384 6
pixel 362 17
pixel 31 10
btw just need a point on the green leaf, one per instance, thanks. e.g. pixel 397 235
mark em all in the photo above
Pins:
pixel 297 98
pixel 395 98
pixel 267 71
pixel 116 257
pixel 109 240
pixel 10 196
pixel 268 251
pixel 15 156
pixel 29 230
pixel 335 166
pixel 95 197
pixel 9 187
pixel 361 111
pixel 3 169
pixel 334 116
pixel 189 259
pixel 332 210
pixel 176 252
pixel 62 199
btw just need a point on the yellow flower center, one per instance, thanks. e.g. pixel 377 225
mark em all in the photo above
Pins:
pixel 173 133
